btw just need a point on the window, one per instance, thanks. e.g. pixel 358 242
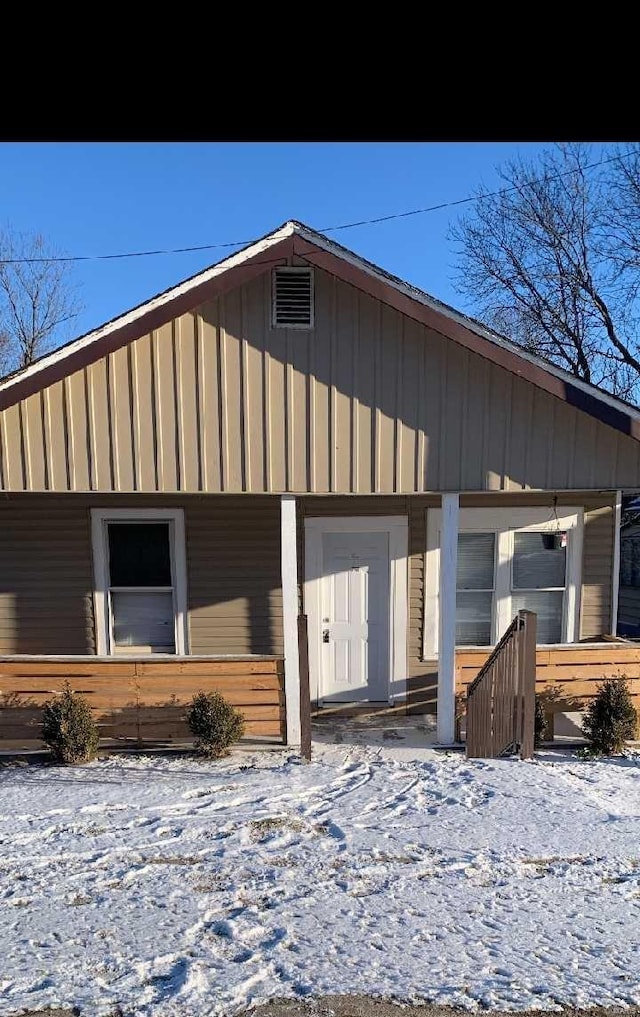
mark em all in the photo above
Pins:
pixel 538 580
pixel 475 581
pixel 140 581
pixel 630 559
pixel 508 560
pixel 292 298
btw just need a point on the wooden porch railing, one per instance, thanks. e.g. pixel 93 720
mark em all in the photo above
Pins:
pixel 501 700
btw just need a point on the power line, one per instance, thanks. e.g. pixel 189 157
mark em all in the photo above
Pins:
pixel 326 229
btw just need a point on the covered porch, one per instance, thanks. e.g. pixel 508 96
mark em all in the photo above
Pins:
pixel 242 569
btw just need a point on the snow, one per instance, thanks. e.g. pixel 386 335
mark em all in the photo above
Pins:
pixel 168 886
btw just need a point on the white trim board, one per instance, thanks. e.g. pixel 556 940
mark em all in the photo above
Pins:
pixel 398 529
pixel 615 577
pixel 259 247
pixel 101 572
pixel 447 562
pixel 504 520
pixel 289 578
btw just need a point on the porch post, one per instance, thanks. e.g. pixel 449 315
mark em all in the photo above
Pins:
pixel 447 619
pixel 615 578
pixel 289 567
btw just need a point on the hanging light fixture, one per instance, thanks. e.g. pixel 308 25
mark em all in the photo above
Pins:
pixel 556 539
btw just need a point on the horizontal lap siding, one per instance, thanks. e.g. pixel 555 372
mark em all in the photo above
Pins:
pixel 597 570
pixel 367 402
pixel 233 573
pixel 233 560
pixel 46 577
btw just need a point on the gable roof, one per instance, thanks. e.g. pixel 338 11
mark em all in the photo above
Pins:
pixel 294 238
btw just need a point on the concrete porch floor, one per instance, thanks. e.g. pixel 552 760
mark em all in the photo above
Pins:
pixel 394 729
pixel 374 727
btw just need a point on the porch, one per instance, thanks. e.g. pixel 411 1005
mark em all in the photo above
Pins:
pixel 238 570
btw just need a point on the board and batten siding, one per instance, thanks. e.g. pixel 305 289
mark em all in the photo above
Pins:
pixel 368 401
pixel 233 573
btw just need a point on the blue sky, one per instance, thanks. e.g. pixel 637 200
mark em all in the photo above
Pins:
pixel 106 198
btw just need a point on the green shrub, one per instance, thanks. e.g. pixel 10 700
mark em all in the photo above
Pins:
pixel 540 722
pixel 68 727
pixel 214 724
pixel 610 719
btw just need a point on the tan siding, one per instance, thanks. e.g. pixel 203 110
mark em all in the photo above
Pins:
pixel 166 434
pixel 143 415
pixel 253 309
pixel 369 400
pixel 233 556
pixel 32 420
pixel 187 403
pixel 45 577
pixel 100 427
pixel 233 573
pixel 597 568
pixel 78 447
pixel 209 396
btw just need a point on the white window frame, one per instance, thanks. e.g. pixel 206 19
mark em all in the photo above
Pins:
pixel 504 523
pixel 100 518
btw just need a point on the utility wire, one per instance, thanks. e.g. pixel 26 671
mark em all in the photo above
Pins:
pixel 326 229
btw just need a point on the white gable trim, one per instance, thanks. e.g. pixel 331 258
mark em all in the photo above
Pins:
pixel 413 293
pixel 127 319
pixel 323 243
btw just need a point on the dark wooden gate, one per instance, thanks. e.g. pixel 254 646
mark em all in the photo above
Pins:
pixel 501 700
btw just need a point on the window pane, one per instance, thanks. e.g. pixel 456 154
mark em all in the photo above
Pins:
pixel 139 554
pixel 473 619
pixel 143 622
pixel 476 556
pixel 548 607
pixel 536 566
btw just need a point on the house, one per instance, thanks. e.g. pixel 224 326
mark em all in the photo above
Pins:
pixel 295 429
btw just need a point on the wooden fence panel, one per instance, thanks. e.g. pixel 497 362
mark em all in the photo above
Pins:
pixel 140 702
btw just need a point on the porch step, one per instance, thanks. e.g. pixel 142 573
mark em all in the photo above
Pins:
pixel 345 710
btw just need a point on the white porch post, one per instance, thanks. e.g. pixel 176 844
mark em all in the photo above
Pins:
pixel 447 619
pixel 289 566
pixel 615 578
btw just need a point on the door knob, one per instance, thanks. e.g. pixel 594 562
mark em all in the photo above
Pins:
pixel 325 636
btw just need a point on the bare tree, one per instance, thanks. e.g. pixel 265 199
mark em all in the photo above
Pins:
pixel 38 299
pixel 553 261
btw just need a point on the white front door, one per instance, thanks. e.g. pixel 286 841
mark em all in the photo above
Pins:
pixel 354 615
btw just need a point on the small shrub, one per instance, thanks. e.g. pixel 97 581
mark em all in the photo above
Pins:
pixel 610 719
pixel 68 727
pixel 214 724
pixel 540 722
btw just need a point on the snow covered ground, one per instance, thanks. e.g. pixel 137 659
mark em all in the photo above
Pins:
pixel 168 886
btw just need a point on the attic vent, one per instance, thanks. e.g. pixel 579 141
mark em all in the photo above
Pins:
pixel 293 298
